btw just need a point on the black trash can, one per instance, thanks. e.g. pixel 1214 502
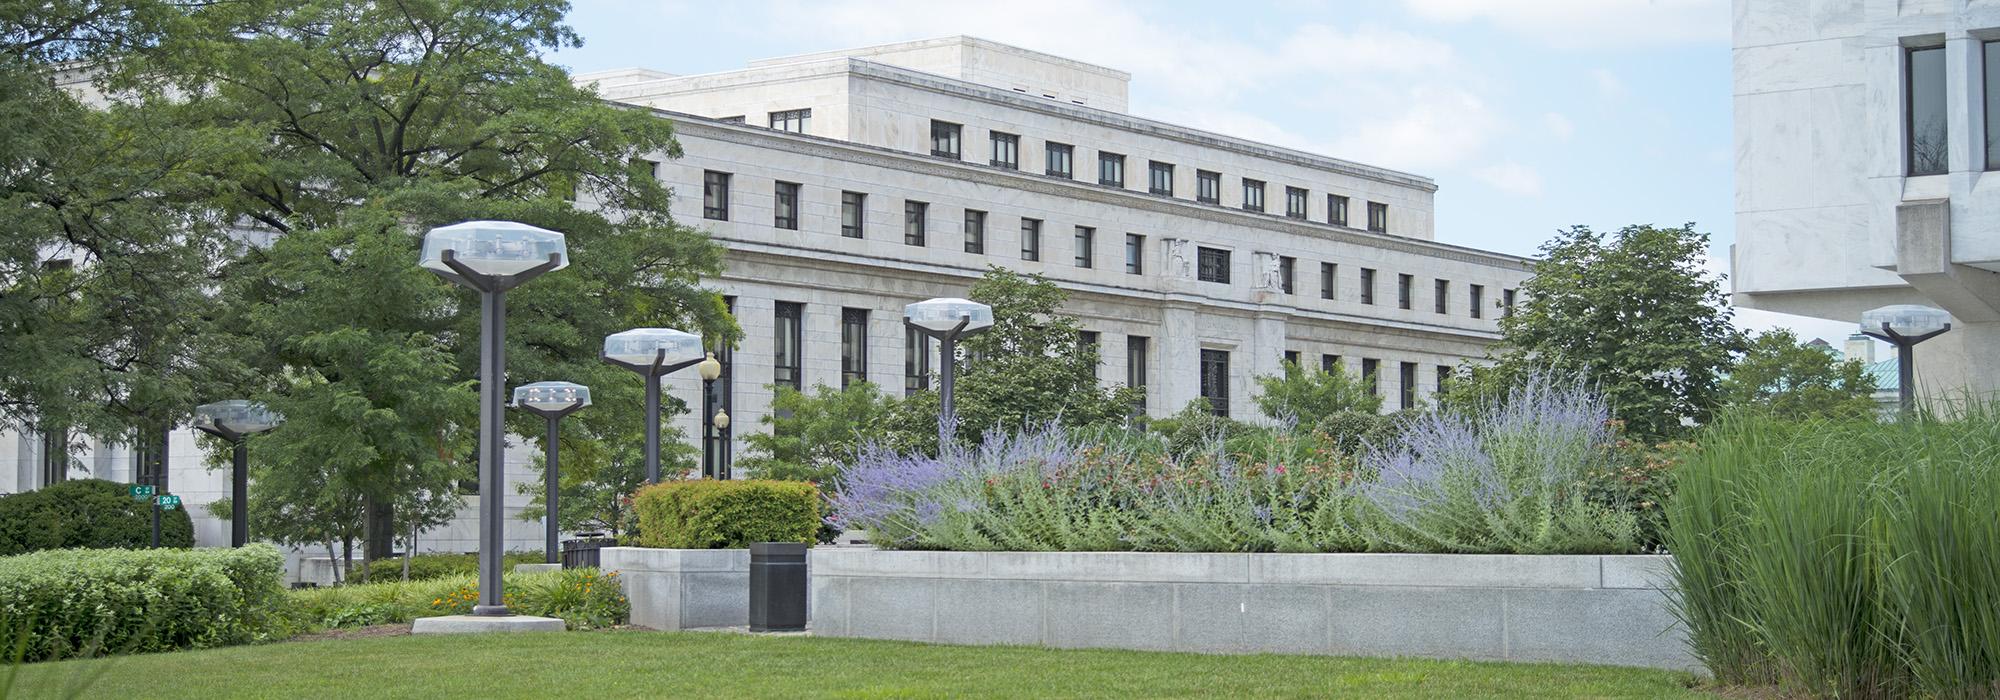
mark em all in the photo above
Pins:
pixel 582 552
pixel 777 587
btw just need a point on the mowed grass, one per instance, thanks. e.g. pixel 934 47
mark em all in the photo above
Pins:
pixel 622 664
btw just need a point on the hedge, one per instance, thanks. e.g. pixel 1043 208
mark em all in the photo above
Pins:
pixel 710 514
pixel 583 598
pixel 87 602
pixel 428 567
pixel 85 513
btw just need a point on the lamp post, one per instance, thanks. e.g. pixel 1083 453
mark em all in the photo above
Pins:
pixel 1905 325
pixel 721 420
pixel 234 420
pixel 552 401
pixel 947 320
pixel 710 370
pixel 653 353
pixel 491 257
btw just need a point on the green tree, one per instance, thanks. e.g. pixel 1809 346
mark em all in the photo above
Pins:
pixel 811 435
pixel 1635 312
pixel 599 476
pixel 1307 396
pixel 1794 381
pixel 356 127
pixel 1029 368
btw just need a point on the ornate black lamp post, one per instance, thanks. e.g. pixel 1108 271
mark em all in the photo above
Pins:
pixel 653 353
pixel 1905 325
pixel 552 401
pixel 947 319
pixel 233 421
pixel 492 257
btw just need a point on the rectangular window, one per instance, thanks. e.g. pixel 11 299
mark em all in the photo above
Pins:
pixel 1006 151
pixel 785 206
pixel 1991 52
pixel 1506 303
pixel 55 456
pixel 1135 366
pixel 1329 280
pixel 944 139
pixel 1111 169
pixel 1336 210
pixel 1135 254
pixel 1443 378
pixel 788 339
pixel 916 361
pixel 916 225
pixel 797 121
pixel 1378 217
pixel 1292 357
pixel 1923 101
pixel 853 346
pixel 1160 178
pixel 1086 242
pixel 1060 157
pixel 975 231
pixel 715 195
pixel 1408 379
pixel 1328 362
pixel 1476 298
pixel 1253 194
pixel 1368 378
pixel 1367 286
pixel 1215 380
pixel 1287 273
pixel 1212 265
pixel 1207 187
pixel 852 205
pixel 1031 239
pixel 1404 291
pixel 1441 296
pixel 1295 202
pixel 1087 340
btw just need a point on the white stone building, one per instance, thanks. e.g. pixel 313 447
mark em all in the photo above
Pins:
pixel 845 185
pixel 1864 132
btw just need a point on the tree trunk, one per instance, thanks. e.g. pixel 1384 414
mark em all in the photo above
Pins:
pixel 378 528
pixel 333 560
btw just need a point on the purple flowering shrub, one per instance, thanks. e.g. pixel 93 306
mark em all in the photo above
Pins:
pixel 1507 479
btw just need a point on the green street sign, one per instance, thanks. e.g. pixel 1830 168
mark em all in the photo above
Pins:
pixel 169 502
pixel 141 492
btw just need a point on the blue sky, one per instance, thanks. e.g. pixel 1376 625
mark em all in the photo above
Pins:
pixel 1531 115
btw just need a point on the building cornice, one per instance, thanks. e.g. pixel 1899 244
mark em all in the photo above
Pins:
pixel 864 154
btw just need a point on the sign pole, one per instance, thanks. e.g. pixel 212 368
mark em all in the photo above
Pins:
pixel 156 523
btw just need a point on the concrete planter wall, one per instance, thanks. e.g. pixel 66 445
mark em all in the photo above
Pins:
pixel 1590 609
pixel 677 589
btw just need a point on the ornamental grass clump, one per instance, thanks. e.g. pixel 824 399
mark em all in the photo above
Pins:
pixel 1507 479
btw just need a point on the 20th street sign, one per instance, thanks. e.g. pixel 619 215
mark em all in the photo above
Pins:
pixel 169 502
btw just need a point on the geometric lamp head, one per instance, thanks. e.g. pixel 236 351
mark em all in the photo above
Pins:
pixel 495 248
pixel 641 346
pixel 237 416
pixel 1908 320
pixel 942 315
pixel 552 396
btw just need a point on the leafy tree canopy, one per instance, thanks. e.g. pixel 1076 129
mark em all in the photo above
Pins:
pixel 1309 395
pixel 1794 381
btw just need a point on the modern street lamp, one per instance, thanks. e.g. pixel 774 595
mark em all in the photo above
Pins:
pixel 1905 325
pixel 234 420
pixel 947 320
pixel 653 353
pixel 492 257
pixel 551 400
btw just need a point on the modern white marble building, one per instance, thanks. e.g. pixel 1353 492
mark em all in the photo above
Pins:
pixel 845 185
pixel 1864 132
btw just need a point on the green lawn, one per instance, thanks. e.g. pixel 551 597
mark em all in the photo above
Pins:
pixel 709 665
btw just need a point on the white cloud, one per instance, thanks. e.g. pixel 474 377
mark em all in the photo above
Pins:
pixel 1432 127
pixel 1512 178
pixel 1591 24
pixel 1558 125
pixel 1608 84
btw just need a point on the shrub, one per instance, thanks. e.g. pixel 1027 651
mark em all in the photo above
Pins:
pixel 1309 395
pixel 710 514
pixel 582 598
pixel 62 603
pixel 86 514
pixel 425 567
pixel 1843 558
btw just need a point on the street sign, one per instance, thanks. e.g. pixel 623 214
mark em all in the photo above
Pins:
pixel 142 492
pixel 169 502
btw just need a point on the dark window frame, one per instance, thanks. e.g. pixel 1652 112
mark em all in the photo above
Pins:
pixel 916 222
pixel 853 214
pixel 1253 195
pixel 1009 145
pixel 1368 286
pixel 853 346
pixel 1137 348
pixel 1135 254
pixel 1108 165
pixel 788 333
pixel 1298 202
pixel 1031 239
pixel 1329 280
pixel 1207 187
pixel 1214 374
pixel 1378 217
pixel 947 139
pixel 1915 164
pixel 1160 178
pixel 1085 241
pixel 1336 209
pixel 1406 377
pixel 1050 152
pixel 975 231
pixel 1406 292
pixel 715 195
pixel 916 361
pixel 783 120
pixel 1212 264
pixel 1441 290
pixel 784 213
pixel 1475 295
pixel 1288 269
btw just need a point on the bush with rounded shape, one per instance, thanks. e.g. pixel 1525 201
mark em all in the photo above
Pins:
pixel 86 514
pixel 710 514
pixel 85 602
